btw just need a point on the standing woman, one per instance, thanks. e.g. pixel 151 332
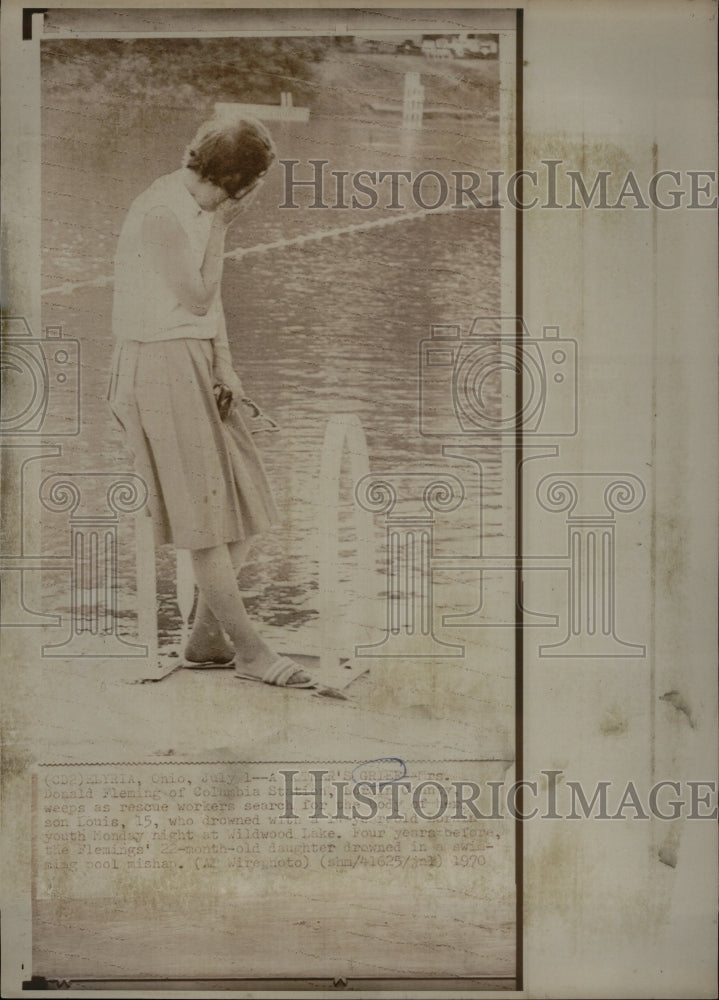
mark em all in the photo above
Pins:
pixel 172 380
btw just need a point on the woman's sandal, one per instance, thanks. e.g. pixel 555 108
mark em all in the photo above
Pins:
pixel 279 673
pixel 208 664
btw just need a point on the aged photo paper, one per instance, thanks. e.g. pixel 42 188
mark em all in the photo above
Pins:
pixel 359 470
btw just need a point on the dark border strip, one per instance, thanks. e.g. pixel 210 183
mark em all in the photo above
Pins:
pixel 518 456
pixel 27 13
pixel 494 983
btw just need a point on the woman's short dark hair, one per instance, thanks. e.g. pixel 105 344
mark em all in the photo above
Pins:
pixel 231 153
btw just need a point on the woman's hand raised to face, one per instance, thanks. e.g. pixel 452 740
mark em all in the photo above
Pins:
pixel 230 209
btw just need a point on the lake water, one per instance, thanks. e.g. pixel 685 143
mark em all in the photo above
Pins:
pixel 331 326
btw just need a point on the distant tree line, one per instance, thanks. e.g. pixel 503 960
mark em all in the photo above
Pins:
pixel 248 69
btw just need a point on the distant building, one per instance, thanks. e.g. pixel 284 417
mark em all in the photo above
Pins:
pixel 462 45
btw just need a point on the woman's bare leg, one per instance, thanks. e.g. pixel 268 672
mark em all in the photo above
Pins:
pixel 208 643
pixel 216 579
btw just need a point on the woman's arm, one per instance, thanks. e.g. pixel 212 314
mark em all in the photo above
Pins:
pixel 170 255
pixel 222 369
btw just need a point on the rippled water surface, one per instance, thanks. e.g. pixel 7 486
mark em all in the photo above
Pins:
pixel 331 326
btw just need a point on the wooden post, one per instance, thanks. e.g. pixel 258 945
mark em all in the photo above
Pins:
pixel 413 102
pixel 344 431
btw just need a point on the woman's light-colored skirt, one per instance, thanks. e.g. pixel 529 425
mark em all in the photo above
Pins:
pixel 206 481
